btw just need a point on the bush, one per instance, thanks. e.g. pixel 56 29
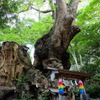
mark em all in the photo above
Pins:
pixel 93 90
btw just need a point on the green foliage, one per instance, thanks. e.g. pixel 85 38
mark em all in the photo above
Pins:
pixel 22 84
pixel 87 44
pixel 97 77
pixel 8 9
pixel 27 98
pixel 22 80
pixel 44 95
pixel 93 90
pixel 91 69
pixel 89 14
pixel 77 95
pixel 27 31
pixel 37 3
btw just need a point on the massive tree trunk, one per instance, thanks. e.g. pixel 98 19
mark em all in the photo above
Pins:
pixel 13 62
pixel 50 50
pixel 17 76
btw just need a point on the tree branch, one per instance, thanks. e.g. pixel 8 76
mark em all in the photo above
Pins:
pixel 62 25
pixel 46 11
pixel 75 29
pixel 31 7
pixel 28 8
pixel 62 7
pixel 73 7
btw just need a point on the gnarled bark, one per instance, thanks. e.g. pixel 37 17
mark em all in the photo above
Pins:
pixel 50 50
pixel 13 61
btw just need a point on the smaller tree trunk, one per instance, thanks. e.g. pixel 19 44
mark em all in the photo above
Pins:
pixel 50 50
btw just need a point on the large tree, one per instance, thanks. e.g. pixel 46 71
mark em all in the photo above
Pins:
pixel 50 50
